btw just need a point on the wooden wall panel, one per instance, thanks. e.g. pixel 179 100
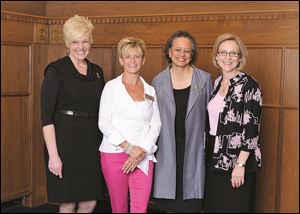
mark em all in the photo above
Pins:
pixel 289 186
pixel 291 78
pixel 288 198
pixel 204 62
pixel 38 181
pixel 55 52
pixel 266 176
pixel 15 147
pixel 265 65
pixel 16 31
pixel 16 79
pixel 118 67
pixel 104 57
pixel 16 119
pixel 154 63
pixel 16 116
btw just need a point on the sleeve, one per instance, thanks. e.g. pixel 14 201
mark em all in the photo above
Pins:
pixel 155 124
pixel 105 117
pixel 49 95
pixel 251 117
pixel 209 90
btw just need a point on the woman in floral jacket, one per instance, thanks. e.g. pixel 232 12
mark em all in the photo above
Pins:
pixel 232 148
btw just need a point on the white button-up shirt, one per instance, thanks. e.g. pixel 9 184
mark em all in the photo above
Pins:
pixel 121 118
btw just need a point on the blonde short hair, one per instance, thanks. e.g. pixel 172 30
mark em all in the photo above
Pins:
pixel 76 27
pixel 131 42
pixel 242 49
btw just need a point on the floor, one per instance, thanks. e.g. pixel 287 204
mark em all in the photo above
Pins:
pixel 16 207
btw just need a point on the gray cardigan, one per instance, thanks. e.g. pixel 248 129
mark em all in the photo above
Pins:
pixel 194 167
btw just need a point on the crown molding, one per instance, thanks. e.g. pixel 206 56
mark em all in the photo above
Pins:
pixel 48 30
pixel 223 16
pixel 21 17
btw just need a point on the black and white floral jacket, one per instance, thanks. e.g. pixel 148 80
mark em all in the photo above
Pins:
pixel 238 124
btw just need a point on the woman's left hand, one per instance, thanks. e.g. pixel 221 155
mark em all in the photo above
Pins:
pixel 129 165
pixel 238 176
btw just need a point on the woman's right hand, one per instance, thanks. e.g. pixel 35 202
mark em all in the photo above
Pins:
pixel 55 166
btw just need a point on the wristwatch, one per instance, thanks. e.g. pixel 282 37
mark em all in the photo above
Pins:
pixel 240 164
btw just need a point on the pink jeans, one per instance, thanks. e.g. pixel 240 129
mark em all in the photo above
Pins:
pixel 118 184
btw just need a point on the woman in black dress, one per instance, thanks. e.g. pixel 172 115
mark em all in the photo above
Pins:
pixel 70 99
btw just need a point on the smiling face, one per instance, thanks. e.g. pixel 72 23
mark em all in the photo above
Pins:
pixel 181 52
pixel 132 60
pixel 80 47
pixel 228 56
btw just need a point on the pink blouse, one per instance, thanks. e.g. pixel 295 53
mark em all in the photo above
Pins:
pixel 214 108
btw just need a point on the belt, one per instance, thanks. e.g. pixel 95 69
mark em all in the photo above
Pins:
pixel 77 113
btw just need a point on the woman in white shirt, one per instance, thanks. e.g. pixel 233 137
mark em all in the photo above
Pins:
pixel 130 122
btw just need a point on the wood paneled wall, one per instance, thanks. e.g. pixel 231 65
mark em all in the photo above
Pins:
pixel 15 120
pixel 27 7
pixel 269 29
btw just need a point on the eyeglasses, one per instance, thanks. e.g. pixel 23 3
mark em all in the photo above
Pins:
pixel 231 53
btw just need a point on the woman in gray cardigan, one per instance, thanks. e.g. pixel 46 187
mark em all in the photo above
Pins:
pixel 183 92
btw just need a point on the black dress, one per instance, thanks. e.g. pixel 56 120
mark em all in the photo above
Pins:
pixel 219 195
pixel 77 137
pixel 181 97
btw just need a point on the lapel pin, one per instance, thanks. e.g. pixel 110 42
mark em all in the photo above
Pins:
pixel 149 97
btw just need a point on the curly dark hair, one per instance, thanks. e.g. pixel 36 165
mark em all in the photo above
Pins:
pixel 176 35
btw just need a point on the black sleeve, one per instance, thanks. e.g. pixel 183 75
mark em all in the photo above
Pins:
pixel 251 116
pixel 49 94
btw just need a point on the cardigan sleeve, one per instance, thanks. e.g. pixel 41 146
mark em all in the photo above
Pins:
pixel 251 116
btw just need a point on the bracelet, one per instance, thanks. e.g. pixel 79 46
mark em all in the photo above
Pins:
pixel 128 148
pixel 125 148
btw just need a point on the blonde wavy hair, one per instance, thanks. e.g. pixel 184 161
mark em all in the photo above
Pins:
pixel 76 27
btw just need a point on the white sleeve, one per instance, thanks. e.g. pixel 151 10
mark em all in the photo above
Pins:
pixel 106 115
